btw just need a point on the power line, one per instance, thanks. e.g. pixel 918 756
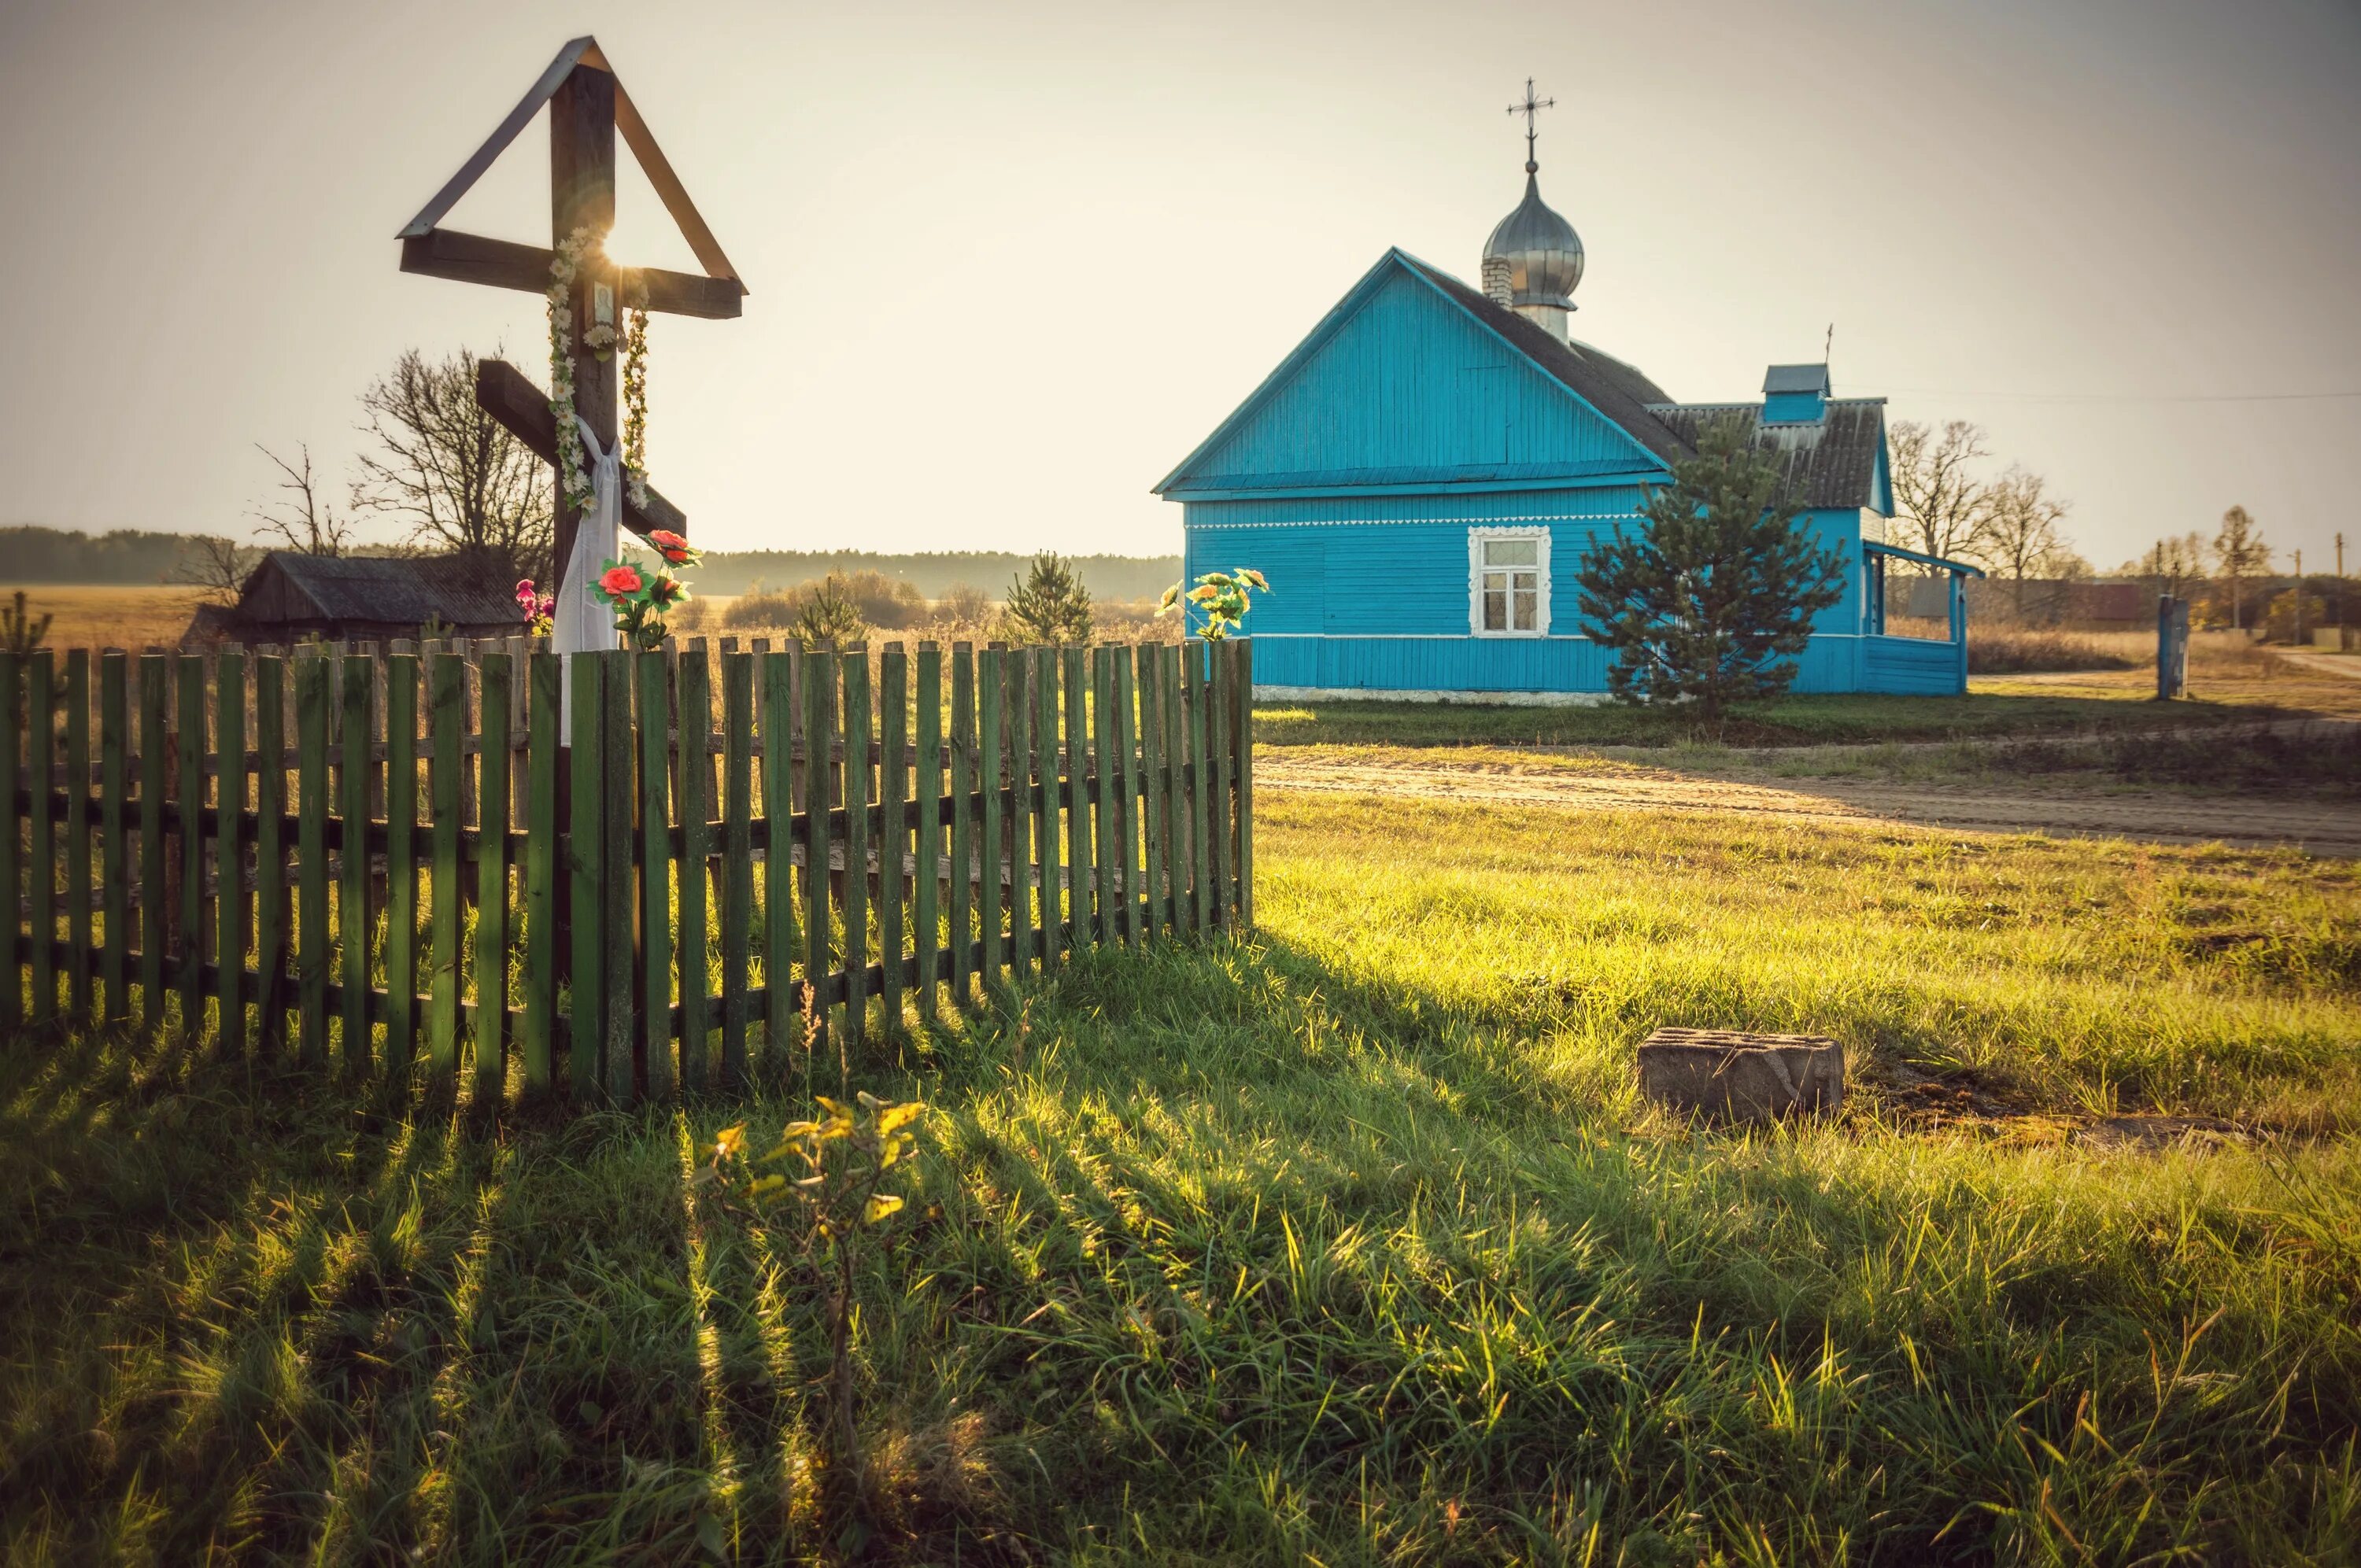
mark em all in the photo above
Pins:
pixel 2133 397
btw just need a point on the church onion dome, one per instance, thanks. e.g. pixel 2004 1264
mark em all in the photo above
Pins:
pixel 1543 253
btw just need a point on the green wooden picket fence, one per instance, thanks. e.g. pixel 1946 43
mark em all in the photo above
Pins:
pixel 734 857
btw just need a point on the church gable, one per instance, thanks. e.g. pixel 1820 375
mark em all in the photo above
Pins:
pixel 1403 385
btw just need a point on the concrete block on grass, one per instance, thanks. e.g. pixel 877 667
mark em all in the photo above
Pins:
pixel 1731 1074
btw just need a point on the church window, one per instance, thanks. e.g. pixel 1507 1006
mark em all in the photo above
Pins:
pixel 1508 588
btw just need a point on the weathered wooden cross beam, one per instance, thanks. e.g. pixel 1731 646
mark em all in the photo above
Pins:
pixel 587 106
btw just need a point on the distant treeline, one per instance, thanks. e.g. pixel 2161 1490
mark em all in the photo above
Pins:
pixel 30 553
pixel 933 572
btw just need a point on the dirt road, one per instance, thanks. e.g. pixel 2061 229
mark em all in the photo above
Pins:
pixel 2157 816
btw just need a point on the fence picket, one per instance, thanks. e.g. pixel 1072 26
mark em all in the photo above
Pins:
pixel 190 980
pixel 614 917
pixel 12 873
pixel 1242 763
pixel 1108 928
pixel 1192 688
pixel 271 950
pixel 312 860
pixel 963 867
pixel 992 694
pixel 586 848
pixel 493 792
pixel 537 1036
pixel 1049 819
pixel 400 947
pixel 819 734
pixel 737 857
pixel 229 858
pixel 651 670
pixel 893 822
pixel 447 704
pixel 114 877
pixel 779 929
pixel 1017 667
pixel 1217 739
pixel 1125 785
pixel 1155 853
pixel 155 673
pixel 853 901
pixel 359 729
pixel 1082 893
pixel 926 884
pixel 79 873
pixel 41 773
pixel 696 863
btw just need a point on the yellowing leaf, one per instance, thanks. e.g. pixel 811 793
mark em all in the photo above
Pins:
pixel 895 1117
pixel 729 1142
pixel 869 1099
pixel 767 1184
pixel 880 1206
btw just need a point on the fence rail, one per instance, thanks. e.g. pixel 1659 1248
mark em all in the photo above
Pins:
pixel 360 859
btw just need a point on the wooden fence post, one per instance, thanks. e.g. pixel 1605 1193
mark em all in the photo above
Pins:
pixel 229 858
pixel 1016 666
pixel 655 871
pixel 1082 900
pixel 271 911
pixel 963 758
pixel 928 882
pixel 893 824
pixel 586 852
pixel 447 700
pixel 614 924
pixel 353 923
pixel 493 792
pixel 853 906
pixel 1155 853
pixel 992 690
pixel 40 779
pixel 1049 818
pixel 12 875
pixel 312 860
pixel 115 875
pixel 78 836
pixel 193 846
pixel 819 736
pixel 694 747
pixel 737 859
pixel 536 1043
pixel 779 925
pixel 1243 749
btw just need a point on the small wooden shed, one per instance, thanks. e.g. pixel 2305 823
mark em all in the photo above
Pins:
pixel 291 595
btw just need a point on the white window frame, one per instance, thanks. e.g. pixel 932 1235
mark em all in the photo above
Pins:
pixel 1476 538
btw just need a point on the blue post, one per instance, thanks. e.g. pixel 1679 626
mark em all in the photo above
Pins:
pixel 1959 627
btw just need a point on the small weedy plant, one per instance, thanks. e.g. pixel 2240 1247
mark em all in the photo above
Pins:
pixel 19 632
pixel 826 618
pixel 833 1188
pixel 1224 598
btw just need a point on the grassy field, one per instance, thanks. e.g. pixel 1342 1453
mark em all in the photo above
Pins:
pixel 1349 1244
pixel 111 616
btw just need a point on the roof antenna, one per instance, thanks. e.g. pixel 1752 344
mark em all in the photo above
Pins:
pixel 1826 344
pixel 1528 108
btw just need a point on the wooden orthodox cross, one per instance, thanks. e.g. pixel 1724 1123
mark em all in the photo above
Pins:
pixel 587 106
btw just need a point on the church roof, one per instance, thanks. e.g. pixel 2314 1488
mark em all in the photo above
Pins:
pixel 1832 463
pixel 1614 389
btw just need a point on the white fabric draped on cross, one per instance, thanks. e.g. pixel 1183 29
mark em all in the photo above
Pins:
pixel 582 624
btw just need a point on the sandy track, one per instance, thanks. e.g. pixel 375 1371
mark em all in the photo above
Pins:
pixel 2155 817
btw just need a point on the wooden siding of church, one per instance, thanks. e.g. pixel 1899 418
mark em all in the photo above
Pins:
pixel 1371 593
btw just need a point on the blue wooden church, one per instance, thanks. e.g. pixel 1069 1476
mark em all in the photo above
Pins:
pixel 1420 478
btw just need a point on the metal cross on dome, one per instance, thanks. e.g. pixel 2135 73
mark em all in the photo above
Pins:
pixel 1528 108
pixel 587 106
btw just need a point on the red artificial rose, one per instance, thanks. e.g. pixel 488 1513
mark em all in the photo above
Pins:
pixel 620 581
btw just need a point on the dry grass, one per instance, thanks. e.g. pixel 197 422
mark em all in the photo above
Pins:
pixel 112 616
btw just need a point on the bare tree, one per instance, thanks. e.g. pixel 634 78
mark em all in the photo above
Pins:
pixel 463 485
pixel 2239 552
pixel 2021 528
pixel 1946 509
pixel 2172 564
pixel 215 563
pixel 305 524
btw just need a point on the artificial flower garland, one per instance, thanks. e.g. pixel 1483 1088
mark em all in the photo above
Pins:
pixel 635 406
pixel 565 268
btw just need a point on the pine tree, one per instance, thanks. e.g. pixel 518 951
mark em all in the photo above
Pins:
pixel 1050 605
pixel 1714 597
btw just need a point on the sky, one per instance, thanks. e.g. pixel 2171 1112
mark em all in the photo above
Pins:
pixel 1010 263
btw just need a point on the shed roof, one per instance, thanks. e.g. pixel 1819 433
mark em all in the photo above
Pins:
pixel 1832 463
pixel 400 590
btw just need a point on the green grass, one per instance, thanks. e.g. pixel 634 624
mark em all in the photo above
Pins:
pixel 1996 707
pixel 1347 1244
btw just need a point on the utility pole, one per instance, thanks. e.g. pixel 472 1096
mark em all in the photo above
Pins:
pixel 2298 598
